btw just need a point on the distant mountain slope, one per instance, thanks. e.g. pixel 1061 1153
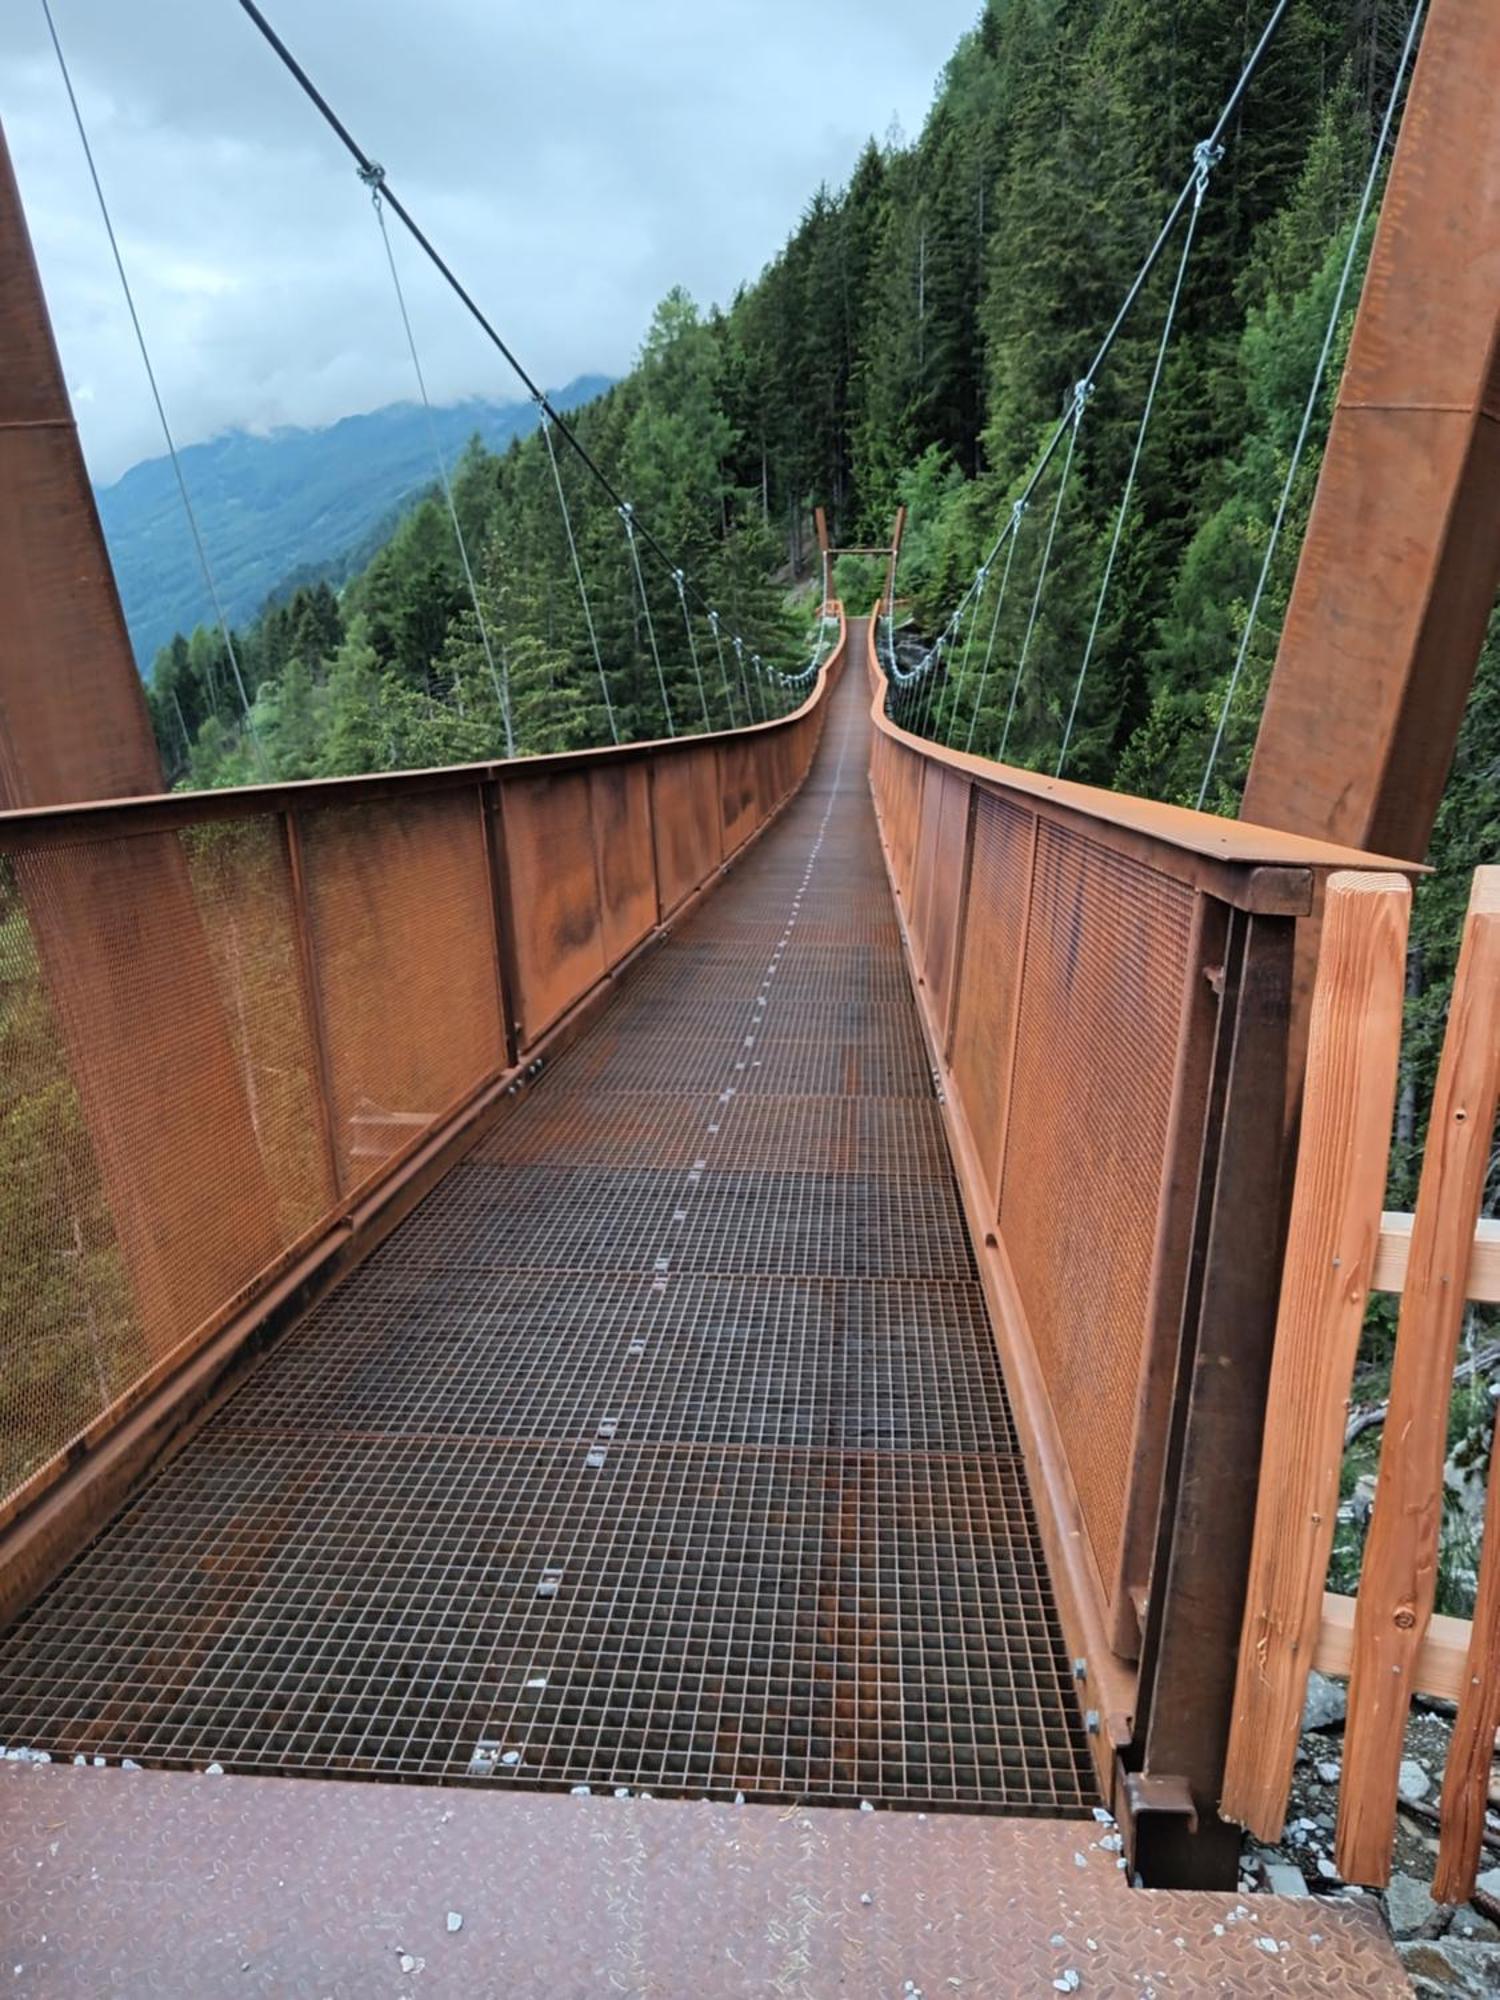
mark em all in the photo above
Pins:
pixel 290 503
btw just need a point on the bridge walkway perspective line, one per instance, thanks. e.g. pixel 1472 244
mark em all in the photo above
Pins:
pixel 663 1446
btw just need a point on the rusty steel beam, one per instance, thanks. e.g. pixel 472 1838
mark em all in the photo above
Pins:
pixel 1401 561
pixel 117 922
pixel 1201 1564
pixel 73 717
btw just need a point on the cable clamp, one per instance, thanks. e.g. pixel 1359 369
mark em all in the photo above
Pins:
pixel 680 579
pixel 713 619
pixel 1083 393
pixel 373 177
pixel 1206 156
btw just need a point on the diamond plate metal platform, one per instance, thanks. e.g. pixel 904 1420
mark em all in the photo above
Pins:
pixel 182 1885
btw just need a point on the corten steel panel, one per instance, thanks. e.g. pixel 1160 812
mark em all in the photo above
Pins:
pixel 739 784
pixel 946 889
pixel 994 942
pixel 1081 1181
pixel 919 916
pixel 402 926
pixel 686 814
pixel 554 894
pixel 198 1091
pixel 627 862
pixel 912 768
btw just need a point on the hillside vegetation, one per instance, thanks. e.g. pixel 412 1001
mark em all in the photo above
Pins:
pixel 285 507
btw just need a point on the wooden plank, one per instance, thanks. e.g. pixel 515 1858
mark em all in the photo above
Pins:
pixel 1400 1562
pixel 1466 1782
pixel 1394 1252
pixel 1335 1227
pixel 1439 1667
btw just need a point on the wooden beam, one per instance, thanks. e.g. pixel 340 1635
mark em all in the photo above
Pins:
pixel 1401 560
pixel 1482 1286
pixel 1354 1045
pixel 1438 1669
pixel 1398 1576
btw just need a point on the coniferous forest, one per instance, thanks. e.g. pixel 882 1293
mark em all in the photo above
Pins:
pixel 914 343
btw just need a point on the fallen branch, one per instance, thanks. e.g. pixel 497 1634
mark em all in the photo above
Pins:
pixel 1371 1419
pixel 1429 1816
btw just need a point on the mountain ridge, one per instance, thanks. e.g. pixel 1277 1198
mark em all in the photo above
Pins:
pixel 275 507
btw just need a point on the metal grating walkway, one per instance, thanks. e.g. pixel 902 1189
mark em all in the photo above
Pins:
pixel 662 1447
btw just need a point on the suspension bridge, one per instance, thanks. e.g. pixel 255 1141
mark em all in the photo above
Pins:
pixel 606 1305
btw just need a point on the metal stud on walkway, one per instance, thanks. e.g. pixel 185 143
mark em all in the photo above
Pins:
pixel 663 1446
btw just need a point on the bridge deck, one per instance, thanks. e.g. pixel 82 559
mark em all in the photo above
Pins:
pixel 663 1446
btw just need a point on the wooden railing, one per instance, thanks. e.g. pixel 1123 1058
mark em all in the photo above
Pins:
pixel 241 1028
pixel 1106 985
pixel 1341 1247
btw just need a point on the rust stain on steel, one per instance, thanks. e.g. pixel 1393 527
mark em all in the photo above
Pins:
pixel 185 1885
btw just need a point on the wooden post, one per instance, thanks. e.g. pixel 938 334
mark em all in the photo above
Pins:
pixel 1398 1578
pixel 1466 1782
pixel 1401 561
pixel 1354 1045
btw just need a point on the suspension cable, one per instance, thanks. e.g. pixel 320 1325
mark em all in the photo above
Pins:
pixel 751 681
pixel 1063 430
pixel 715 628
pixel 1208 158
pixel 1310 407
pixel 627 515
pixel 687 620
pixel 1080 402
pixel 1017 514
pixel 713 620
pixel 538 395
pixel 166 429
pixel 374 179
pixel 545 423
pixel 958 682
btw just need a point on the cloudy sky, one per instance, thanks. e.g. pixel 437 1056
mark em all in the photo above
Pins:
pixel 572 159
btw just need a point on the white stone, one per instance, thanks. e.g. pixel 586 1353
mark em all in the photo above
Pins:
pixel 1413 1782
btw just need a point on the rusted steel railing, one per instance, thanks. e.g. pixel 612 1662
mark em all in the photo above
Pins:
pixel 1386 1637
pixel 242 1028
pixel 1107 987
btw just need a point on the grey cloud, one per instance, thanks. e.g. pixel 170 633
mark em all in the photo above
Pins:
pixel 573 160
